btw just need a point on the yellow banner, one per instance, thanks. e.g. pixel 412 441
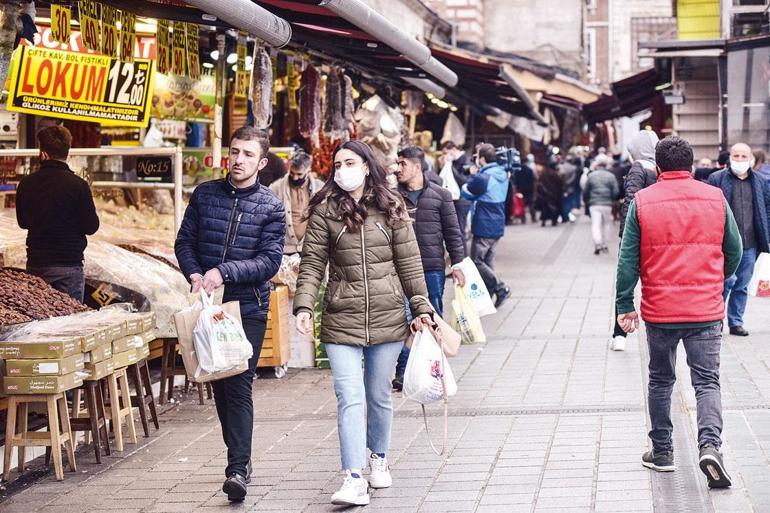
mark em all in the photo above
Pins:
pixel 89 24
pixel 164 47
pixel 109 31
pixel 193 51
pixel 127 36
pixel 80 86
pixel 178 52
pixel 240 50
pixel 61 18
pixel 242 79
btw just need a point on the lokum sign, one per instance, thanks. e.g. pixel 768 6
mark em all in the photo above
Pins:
pixel 82 87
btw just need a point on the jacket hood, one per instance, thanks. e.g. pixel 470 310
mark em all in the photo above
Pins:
pixel 642 146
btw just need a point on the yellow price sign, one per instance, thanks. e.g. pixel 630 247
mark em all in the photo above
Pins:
pixel 242 84
pixel 164 47
pixel 61 18
pixel 89 24
pixel 178 52
pixel 109 31
pixel 127 36
pixel 193 51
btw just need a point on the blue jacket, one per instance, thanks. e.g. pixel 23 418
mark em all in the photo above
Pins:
pixel 241 233
pixel 488 190
pixel 725 180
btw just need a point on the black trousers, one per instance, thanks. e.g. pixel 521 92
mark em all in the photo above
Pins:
pixel 235 406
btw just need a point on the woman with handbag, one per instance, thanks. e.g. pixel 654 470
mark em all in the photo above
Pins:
pixel 361 229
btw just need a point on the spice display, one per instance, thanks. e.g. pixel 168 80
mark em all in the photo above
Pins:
pixel 32 297
pixel 310 103
pixel 262 89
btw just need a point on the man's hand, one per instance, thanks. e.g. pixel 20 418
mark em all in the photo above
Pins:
pixel 196 280
pixel 629 321
pixel 304 323
pixel 458 277
pixel 212 280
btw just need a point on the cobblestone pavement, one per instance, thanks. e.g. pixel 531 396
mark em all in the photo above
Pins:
pixel 546 420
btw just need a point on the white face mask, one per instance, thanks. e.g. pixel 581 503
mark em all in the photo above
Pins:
pixel 350 178
pixel 740 168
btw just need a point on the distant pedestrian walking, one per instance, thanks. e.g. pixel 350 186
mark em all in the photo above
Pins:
pixel 600 193
pixel 681 239
pixel 548 195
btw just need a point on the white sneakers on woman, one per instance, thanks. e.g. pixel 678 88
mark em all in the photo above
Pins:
pixel 355 490
pixel 380 476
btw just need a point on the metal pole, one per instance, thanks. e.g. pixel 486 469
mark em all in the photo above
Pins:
pixel 221 77
pixel 249 16
pixel 178 173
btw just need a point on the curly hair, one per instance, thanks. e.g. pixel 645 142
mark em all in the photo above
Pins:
pixel 376 192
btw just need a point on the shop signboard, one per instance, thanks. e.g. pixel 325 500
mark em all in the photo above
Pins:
pixel 80 86
pixel 154 169
pixel 61 18
pixel 143 49
pixel 184 99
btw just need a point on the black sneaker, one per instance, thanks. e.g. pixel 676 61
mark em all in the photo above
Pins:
pixel 398 383
pixel 739 331
pixel 659 461
pixel 503 293
pixel 711 464
pixel 235 487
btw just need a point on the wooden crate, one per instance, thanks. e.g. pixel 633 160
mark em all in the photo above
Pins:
pixel 276 349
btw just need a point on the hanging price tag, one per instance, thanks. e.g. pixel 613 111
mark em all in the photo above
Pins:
pixel 240 50
pixel 178 51
pixel 164 48
pixel 193 52
pixel 127 36
pixel 242 84
pixel 109 31
pixel 61 17
pixel 89 24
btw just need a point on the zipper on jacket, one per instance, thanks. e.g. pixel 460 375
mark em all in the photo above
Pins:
pixel 258 294
pixel 339 235
pixel 384 232
pixel 229 227
pixel 237 225
pixel 366 285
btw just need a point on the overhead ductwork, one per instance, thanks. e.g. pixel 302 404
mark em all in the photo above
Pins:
pixel 250 17
pixel 426 85
pixel 373 23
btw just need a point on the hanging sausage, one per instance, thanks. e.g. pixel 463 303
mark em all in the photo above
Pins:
pixel 310 103
pixel 262 89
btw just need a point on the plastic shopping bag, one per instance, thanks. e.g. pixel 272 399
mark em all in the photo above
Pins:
pixel 448 177
pixel 475 289
pixel 465 319
pixel 759 285
pixel 427 371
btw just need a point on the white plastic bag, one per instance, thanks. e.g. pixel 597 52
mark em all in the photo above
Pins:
pixel 425 369
pixel 759 285
pixel 448 177
pixel 219 339
pixel 475 289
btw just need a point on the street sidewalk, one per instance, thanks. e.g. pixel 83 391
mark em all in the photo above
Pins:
pixel 546 419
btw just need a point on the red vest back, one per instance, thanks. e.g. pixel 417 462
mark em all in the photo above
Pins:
pixel 682 224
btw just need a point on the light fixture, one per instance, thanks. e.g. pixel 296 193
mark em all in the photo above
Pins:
pixel 232 58
pixel 208 65
pixel 215 55
pixel 235 67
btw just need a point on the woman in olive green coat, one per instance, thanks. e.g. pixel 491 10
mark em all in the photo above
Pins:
pixel 361 229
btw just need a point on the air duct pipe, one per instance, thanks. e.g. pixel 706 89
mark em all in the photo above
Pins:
pixel 372 22
pixel 426 85
pixel 248 16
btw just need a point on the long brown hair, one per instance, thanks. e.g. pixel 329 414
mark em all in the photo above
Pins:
pixel 376 192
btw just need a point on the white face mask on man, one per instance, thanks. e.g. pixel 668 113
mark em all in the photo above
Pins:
pixel 741 169
pixel 350 178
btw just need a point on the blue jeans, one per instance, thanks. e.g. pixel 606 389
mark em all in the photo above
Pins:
pixel 435 281
pixel 737 286
pixel 702 346
pixel 364 405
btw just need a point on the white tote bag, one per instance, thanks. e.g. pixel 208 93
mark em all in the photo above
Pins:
pixel 219 339
pixel 475 289
pixel 759 285
pixel 448 178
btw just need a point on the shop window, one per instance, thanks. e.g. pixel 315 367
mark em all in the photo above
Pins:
pixel 748 93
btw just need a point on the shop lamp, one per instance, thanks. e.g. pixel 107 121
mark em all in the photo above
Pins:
pixel 232 58
pixel 215 55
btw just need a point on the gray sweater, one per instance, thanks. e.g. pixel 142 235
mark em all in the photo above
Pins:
pixel 602 188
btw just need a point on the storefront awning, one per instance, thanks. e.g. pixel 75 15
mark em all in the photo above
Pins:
pixel 673 49
pixel 629 96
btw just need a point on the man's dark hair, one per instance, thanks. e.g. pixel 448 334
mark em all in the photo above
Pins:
pixel 300 160
pixel 760 157
pixel 448 145
pixel 412 152
pixel 55 141
pixel 487 152
pixel 673 154
pixel 724 158
pixel 250 133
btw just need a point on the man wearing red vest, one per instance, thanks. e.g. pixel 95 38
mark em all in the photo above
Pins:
pixel 681 239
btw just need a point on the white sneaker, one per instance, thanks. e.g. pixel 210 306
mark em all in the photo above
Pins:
pixel 380 476
pixel 353 492
pixel 618 343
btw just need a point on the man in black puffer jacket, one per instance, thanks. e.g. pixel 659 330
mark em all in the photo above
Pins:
pixel 435 226
pixel 233 235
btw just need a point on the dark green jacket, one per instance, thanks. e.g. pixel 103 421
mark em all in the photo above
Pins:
pixel 370 271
